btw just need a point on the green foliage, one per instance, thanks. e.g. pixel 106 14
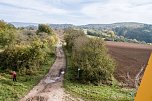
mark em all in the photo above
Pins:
pixel 102 33
pixel 109 35
pixel 7 34
pixel 44 28
pixel 29 51
pixel 29 54
pixel 13 91
pixel 91 92
pixel 19 57
pixel 99 93
pixel 140 34
pixel 90 56
pixel 26 58
pixel 71 35
pixel 130 30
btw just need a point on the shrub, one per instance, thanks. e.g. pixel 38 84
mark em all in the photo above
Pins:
pixel 27 51
pixel 90 55
pixel 7 34
pixel 71 35
pixel 44 28
pixel 23 56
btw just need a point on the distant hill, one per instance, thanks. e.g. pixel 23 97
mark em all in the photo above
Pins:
pixel 54 26
pixel 88 26
pixel 130 30
pixel 23 24
pixel 114 25
pixel 61 26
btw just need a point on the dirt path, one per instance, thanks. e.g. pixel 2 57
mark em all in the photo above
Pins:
pixel 50 87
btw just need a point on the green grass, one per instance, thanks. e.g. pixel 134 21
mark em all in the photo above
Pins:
pixel 95 93
pixel 13 91
pixel 98 93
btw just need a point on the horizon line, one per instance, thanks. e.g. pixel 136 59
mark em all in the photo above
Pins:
pixel 79 24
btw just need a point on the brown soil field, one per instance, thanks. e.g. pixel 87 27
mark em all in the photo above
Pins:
pixel 129 57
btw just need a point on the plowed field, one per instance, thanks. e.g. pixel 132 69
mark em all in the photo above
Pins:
pixel 129 57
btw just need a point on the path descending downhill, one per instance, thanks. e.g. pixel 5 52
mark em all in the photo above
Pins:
pixel 50 88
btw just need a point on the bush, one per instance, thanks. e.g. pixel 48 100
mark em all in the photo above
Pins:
pixel 90 55
pixel 71 35
pixel 44 28
pixel 7 34
pixel 24 57
pixel 27 51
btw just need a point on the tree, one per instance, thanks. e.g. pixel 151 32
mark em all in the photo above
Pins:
pixel 71 35
pixel 90 55
pixel 7 34
pixel 112 34
pixel 44 28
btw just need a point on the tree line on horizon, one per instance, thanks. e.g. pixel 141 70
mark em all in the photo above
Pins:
pixel 129 30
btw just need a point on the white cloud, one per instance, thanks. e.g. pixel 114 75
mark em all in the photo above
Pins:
pixel 76 11
pixel 38 5
pixel 118 11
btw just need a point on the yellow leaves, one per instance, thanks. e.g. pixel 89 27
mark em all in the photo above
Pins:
pixel 52 39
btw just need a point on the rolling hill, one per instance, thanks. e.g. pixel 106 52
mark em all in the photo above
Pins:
pixel 130 30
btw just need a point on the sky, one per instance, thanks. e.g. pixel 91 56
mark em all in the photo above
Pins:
pixel 76 12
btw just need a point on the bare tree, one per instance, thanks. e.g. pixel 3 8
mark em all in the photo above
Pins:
pixel 138 77
pixel 135 82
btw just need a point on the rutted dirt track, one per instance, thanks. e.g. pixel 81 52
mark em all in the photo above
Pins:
pixel 50 87
pixel 130 58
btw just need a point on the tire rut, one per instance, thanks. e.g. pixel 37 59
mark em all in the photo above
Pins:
pixel 50 87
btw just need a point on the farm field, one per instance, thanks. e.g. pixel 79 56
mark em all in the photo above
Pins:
pixel 129 57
